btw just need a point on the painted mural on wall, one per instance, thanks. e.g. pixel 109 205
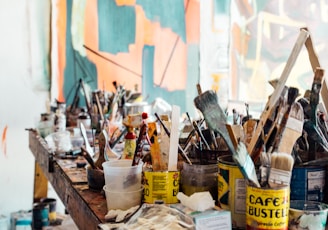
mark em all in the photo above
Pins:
pixel 151 44
pixel 263 35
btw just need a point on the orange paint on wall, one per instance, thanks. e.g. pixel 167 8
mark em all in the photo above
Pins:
pixel 108 71
pixel 170 73
pixel 126 68
pixel 4 140
pixel 193 22
pixel 149 29
pixel 240 40
pixel 61 38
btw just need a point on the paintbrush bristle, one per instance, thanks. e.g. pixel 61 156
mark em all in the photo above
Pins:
pixel 284 161
pixel 281 169
pixel 293 128
pixel 246 164
pixel 207 100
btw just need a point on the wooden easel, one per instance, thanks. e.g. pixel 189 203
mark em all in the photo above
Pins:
pixel 304 38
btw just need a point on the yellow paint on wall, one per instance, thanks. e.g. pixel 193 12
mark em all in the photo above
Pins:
pixel 216 81
pixel 125 2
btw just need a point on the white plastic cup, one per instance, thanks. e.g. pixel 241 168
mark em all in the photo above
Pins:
pixel 123 200
pixel 120 175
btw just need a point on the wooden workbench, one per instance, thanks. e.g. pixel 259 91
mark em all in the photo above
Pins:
pixel 86 207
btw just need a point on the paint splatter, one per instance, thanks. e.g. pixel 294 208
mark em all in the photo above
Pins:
pixel 4 141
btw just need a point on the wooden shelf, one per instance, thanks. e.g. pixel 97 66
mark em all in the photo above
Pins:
pixel 86 207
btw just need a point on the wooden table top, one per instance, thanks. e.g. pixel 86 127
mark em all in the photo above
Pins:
pixel 86 207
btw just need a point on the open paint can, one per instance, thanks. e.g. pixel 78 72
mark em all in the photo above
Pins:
pixel 232 190
pixel 309 215
pixel 308 183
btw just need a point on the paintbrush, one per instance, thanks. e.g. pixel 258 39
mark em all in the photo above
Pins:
pixel 280 170
pixel 314 101
pixel 212 134
pixel 297 113
pixel 293 128
pixel 215 118
pixel 89 159
pixel 86 141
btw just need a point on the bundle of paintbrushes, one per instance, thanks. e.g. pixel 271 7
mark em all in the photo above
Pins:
pixel 215 118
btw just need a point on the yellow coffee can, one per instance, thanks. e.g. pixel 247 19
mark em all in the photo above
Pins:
pixel 267 208
pixel 161 187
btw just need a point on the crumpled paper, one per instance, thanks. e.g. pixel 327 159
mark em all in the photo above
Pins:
pixel 199 201
pixel 120 215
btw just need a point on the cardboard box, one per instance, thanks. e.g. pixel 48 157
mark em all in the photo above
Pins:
pixel 213 219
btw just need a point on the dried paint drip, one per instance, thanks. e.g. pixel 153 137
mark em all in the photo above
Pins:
pixel 4 140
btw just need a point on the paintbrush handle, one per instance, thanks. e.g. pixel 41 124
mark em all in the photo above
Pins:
pixel 86 97
pixel 138 151
pixel 196 127
pixel 123 132
pixel 163 125
pixel 89 159
pixel 99 107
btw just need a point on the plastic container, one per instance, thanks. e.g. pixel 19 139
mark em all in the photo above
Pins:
pixel 199 178
pixel 59 141
pixel 77 141
pixel 123 200
pixel 310 215
pixel 120 175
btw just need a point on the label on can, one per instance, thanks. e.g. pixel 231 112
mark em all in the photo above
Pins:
pixel 161 187
pixel 232 190
pixel 267 208
pixel 308 183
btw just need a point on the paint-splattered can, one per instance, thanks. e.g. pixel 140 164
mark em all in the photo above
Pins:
pixel 161 187
pixel 308 183
pixel 52 202
pixel 232 190
pixel 40 215
pixel 267 208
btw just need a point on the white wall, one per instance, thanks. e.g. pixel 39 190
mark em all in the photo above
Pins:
pixel 23 96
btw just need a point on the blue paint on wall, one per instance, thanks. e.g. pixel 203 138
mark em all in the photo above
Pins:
pixel 148 55
pixel 169 13
pixel 77 67
pixel 193 73
pixel 222 7
pixel 117 26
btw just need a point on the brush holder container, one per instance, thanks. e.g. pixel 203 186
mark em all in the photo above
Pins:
pixel 199 178
pixel 96 179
